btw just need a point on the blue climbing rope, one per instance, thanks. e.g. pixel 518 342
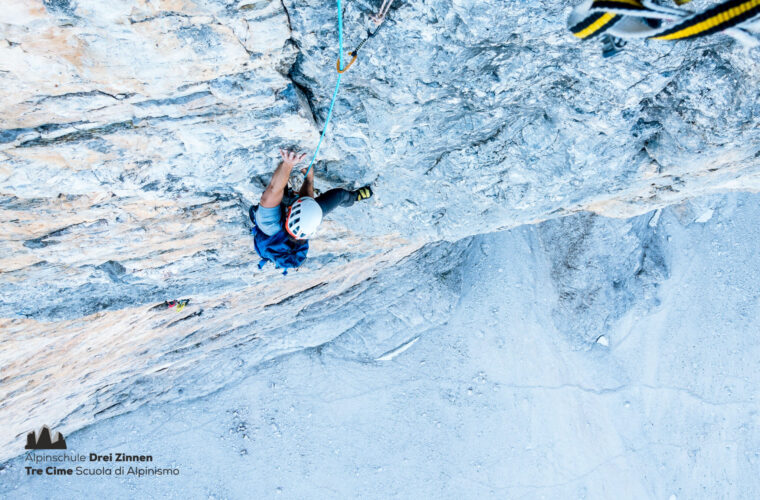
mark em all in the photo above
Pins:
pixel 337 86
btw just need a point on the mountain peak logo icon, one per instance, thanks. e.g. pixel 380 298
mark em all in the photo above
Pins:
pixel 43 442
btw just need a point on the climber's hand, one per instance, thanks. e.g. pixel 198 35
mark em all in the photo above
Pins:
pixel 291 158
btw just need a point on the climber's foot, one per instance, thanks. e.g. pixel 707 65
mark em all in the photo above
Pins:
pixel 362 193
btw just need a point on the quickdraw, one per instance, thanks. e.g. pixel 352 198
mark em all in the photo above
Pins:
pixel 379 20
pixel 335 92
pixel 643 19
pixel 337 63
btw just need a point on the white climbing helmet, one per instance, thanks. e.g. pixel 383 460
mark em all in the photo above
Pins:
pixel 304 215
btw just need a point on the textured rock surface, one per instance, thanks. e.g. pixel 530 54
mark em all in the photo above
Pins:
pixel 496 396
pixel 136 134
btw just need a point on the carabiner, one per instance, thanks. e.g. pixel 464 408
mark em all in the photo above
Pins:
pixel 337 63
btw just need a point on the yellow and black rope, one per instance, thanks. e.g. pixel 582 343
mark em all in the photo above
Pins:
pixel 595 24
pixel 718 18
pixel 598 16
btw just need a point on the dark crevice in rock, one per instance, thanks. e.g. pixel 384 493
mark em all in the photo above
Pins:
pixel 305 91
pixel 169 13
pixel 42 241
pixel 10 135
pixel 96 132
pixel 79 135
pixel 193 315
pixel 172 101
pixel 296 295
pixel 92 93
pixel 287 15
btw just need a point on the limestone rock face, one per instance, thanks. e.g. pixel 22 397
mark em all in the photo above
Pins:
pixel 135 135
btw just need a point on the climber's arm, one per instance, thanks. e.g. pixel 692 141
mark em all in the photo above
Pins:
pixel 307 188
pixel 272 195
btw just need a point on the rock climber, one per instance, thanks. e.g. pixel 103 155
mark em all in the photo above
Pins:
pixel 283 220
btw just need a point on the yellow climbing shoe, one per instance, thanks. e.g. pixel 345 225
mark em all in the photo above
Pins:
pixel 363 193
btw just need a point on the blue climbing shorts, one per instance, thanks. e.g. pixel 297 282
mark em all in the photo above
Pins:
pixel 269 219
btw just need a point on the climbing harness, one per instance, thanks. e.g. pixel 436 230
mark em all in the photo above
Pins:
pixel 342 69
pixel 643 19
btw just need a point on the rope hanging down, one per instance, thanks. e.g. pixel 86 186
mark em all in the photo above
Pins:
pixel 627 19
pixel 379 20
pixel 337 86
